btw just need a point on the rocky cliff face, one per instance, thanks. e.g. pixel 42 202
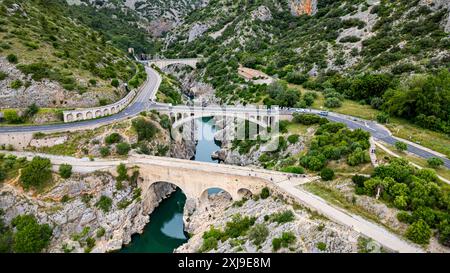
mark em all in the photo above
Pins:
pixel 70 208
pixel 313 233
pixel 43 93
pixel 159 16
pixel 300 7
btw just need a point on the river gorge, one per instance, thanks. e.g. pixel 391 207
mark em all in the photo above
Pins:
pixel 165 231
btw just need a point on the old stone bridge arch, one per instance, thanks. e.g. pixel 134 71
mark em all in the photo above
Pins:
pixel 195 181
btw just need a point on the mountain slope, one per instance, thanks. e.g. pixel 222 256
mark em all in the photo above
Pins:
pixel 52 60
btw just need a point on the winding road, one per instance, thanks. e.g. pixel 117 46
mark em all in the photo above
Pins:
pixel 151 86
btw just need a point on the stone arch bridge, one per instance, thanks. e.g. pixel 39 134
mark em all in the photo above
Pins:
pixel 161 63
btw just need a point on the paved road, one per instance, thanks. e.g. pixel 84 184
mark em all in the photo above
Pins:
pixel 142 103
pixel 377 131
pixel 139 104
pixel 361 225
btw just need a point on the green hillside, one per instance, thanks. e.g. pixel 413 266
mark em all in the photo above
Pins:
pixel 44 42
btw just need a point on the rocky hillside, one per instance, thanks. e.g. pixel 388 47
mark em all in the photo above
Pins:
pixel 155 16
pixel 52 60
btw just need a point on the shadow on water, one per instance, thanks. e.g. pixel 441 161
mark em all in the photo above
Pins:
pixel 165 231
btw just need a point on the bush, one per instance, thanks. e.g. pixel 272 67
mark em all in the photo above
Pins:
pixel 104 203
pixel 285 240
pixel 30 237
pixel 122 173
pixel 435 162
pixel 238 226
pixel 282 217
pixel 333 102
pixel 11 116
pixel 258 234
pixel 12 58
pixel 419 232
pixel 113 138
pixel 3 75
pixel 401 146
pixel 383 118
pixel 293 169
pixel 16 84
pixel 65 170
pixel 296 78
pixel 36 173
pixel 327 174
pixel 208 244
pixel 265 193
pixel 115 83
pixel 293 139
pixel 123 148
pixel 145 129
pixel 321 246
pixel 104 151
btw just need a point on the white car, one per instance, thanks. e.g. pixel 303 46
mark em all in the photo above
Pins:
pixel 300 111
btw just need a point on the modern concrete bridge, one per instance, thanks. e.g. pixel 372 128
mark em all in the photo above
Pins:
pixel 259 115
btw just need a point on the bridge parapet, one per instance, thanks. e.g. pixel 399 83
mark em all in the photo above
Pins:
pixel 161 63
pixel 97 112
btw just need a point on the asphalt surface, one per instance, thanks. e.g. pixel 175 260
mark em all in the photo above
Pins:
pixel 149 90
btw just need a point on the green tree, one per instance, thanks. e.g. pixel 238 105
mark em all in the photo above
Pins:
pixel 327 174
pixel 123 148
pixel 122 172
pixel 419 232
pixel 115 83
pixel 145 129
pixel 12 58
pixel 401 146
pixel 265 193
pixel 65 170
pixel 113 138
pixel 30 237
pixel 258 234
pixel 435 162
pixel 333 102
pixel 16 84
pixel 36 173
pixel 104 203
pixel 11 116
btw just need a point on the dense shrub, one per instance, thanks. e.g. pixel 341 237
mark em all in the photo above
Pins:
pixel 327 174
pixel 258 234
pixel 65 170
pixel 145 129
pixel 36 173
pixel 12 58
pixel 113 138
pixel 265 193
pixel 435 162
pixel 419 232
pixel 286 239
pixel 282 217
pixel 104 203
pixel 30 236
pixel 333 102
pixel 123 148
pixel 293 169
pixel 401 146
pixel 293 139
